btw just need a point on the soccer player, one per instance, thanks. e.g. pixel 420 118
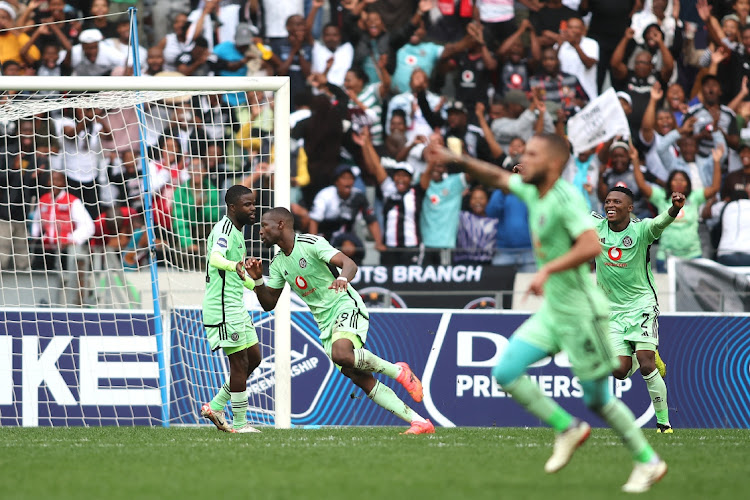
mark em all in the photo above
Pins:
pixel 225 317
pixel 573 316
pixel 308 263
pixel 623 271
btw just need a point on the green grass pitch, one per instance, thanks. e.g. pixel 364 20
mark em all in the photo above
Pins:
pixel 355 463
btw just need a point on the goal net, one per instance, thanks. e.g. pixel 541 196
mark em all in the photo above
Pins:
pixel 109 187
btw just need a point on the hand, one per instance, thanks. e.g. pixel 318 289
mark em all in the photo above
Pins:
pixel 339 285
pixel 425 6
pixel 329 64
pixel 317 80
pixel 537 283
pixel 318 4
pixel 420 139
pixel 676 9
pixel 687 126
pixel 629 33
pixel 479 109
pixel 535 6
pixel 717 153
pixel 678 200
pixel 526 25
pixel 254 268
pixel 362 138
pixel 380 247
pixel 704 10
pixel 719 55
pixel 744 90
pixel 656 91
pixel 633 154
pixel 436 154
pixel 240 271
pixel 382 61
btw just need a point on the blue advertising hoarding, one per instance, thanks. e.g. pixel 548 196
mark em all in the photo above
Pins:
pixel 100 368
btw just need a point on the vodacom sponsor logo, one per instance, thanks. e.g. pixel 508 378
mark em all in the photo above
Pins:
pixel 301 283
pixel 614 253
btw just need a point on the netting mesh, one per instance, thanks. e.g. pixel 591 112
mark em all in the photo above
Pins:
pixel 81 173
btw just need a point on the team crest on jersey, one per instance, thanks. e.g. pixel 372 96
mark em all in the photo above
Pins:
pixel 300 282
pixel 302 263
pixel 627 242
pixel 615 253
pixel 235 337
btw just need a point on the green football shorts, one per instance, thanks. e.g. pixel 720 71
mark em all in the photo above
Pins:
pixel 232 335
pixel 634 331
pixel 582 337
pixel 349 324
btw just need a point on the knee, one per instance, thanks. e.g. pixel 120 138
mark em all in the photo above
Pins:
pixel 620 373
pixel 648 364
pixel 504 373
pixel 342 355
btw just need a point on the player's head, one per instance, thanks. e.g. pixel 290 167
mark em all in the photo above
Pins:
pixel 275 224
pixel 240 204
pixel 545 155
pixel 678 182
pixel 618 205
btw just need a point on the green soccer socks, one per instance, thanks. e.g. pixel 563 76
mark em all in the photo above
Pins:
pixel 367 362
pixel 527 394
pixel 657 389
pixel 622 421
pixel 239 409
pixel 222 398
pixel 385 397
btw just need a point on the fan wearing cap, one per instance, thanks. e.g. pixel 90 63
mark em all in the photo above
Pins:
pixel 11 42
pixel 402 204
pixel 620 173
pixel 336 208
pixel 471 137
pixel 91 57
pixel 518 118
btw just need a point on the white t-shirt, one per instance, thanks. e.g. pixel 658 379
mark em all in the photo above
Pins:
pixel 495 11
pixel 275 14
pixel 342 61
pixel 107 56
pixel 570 62
pixel 79 156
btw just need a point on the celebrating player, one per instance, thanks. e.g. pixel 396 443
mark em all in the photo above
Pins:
pixel 306 263
pixel 228 324
pixel 573 316
pixel 623 271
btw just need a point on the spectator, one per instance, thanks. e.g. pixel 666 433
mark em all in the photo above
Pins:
pixel 710 115
pixel 176 43
pixel 336 209
pixel 99 19
pixel 417 53
pixel 698 168
pixel 513 246
pixel 48 63
pixel 550 20
pixel 582 171
pixel 609 20
pixel 275 20
pixel 196 208
pixel 733 232
pixel 121 43
pixel 91 57
pixel 57 12
pixel 420 106
pixel 471 138
pixel 557 87
pixel 128 181
pixel 441 206
pixel 655 125
pixel 154 62
pixel 292 55
pixel 332 57
pixel 166 172
pixel 17 190
pixel 676 102
pixel 401 207
pixel 637 83
pixel 82 130
pixel 617 170
pixel 350 245
pixel 65 227
pixel 198 61
pixel 681 238
pixel 519 119
pixel 366 102
pixel 579 55
pixel 477 232
pixel 473 68
pixel 736 185
pixel 670 25
pixel 12 41
pixel 498 21
pixel 514 71
pixel 204 22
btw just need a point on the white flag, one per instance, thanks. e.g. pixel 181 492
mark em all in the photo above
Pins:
pixel 601 119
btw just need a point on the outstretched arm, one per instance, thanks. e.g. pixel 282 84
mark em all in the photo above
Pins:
pixel 486 173
pixel 585 248
pixel 660 223
pixel 268 297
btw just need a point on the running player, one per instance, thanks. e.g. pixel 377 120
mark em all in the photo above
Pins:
pixel 307 263
pixel 573 316
pixel 623 271
pixel 225 317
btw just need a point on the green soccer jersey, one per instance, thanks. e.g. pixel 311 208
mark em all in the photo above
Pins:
pixel 223 301
pixel 623 268
pixel 309 274
pixel 555 222
pixel 681 238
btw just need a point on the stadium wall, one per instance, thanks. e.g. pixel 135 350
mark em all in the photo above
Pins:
pixel 54 370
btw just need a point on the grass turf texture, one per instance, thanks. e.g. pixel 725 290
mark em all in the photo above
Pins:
pixel 356 462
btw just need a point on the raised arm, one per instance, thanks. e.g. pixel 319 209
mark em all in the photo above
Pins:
pixel 495 148
pixel 370 157
pixel 649 116
pixel 488 174
pixel 617 61
pixel 644 186
pixel 717 155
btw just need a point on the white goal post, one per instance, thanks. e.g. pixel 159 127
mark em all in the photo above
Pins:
pixel 69 355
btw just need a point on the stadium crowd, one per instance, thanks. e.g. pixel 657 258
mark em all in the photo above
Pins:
pixel 373 82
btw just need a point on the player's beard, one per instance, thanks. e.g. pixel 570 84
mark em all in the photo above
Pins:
pixel 537 179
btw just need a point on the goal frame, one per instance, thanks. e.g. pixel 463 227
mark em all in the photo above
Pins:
pixel 280 86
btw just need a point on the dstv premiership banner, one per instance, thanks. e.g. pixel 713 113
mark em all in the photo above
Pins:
pixel 459 286
pixel 95 368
